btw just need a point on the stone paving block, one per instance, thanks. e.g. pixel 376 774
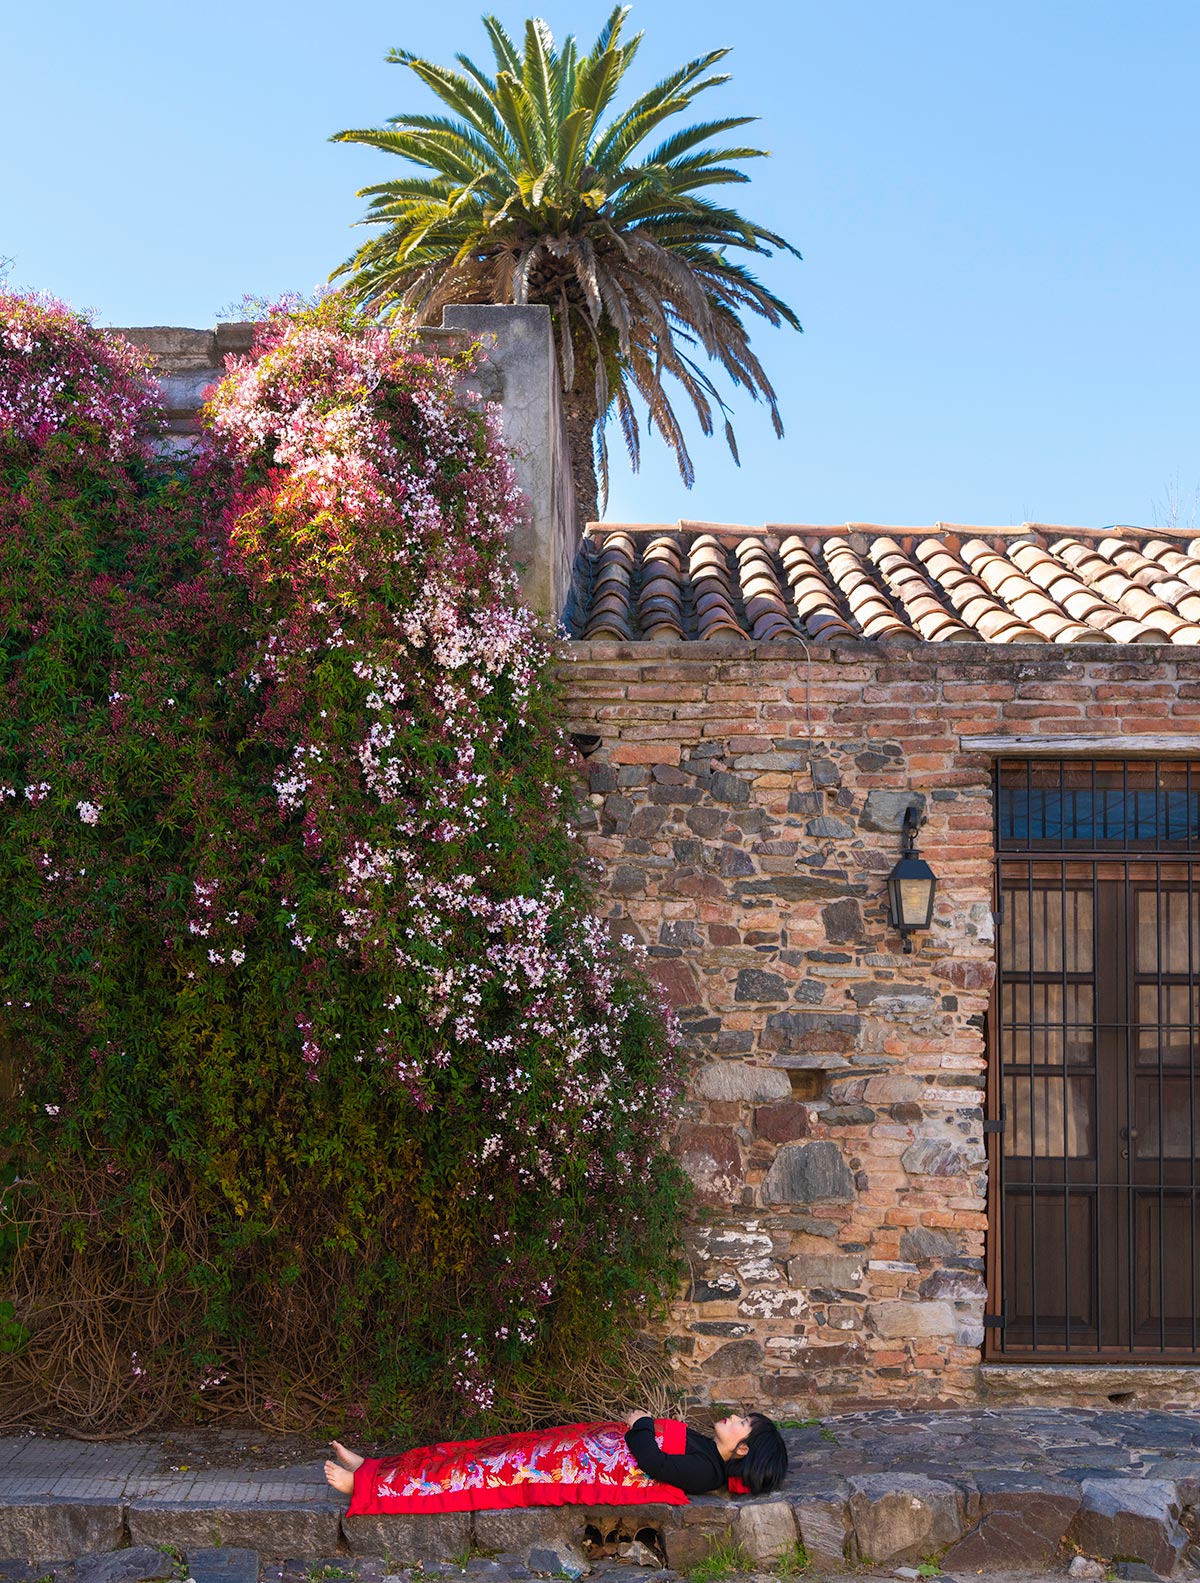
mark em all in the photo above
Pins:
pixel 764 1530
pixel 134 1564
pixel 1131 1520
pixel 900 1517
pixel 435 1537
pixel 273 1528
pixel 481 1567
pixel 207 1565
pixel 1022 1520
pixel 51 1529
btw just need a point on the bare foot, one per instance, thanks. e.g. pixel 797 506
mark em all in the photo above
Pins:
pixel 350 1460
pixel 341 1479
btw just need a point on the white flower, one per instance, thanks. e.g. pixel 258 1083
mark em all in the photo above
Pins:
pixel 89 812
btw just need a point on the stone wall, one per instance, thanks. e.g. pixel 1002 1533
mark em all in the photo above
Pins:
pixel 745 806
pixel 519 371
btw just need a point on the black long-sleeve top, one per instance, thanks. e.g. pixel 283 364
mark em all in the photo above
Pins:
pixel 695 1471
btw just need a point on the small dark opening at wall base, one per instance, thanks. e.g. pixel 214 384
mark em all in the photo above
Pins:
pixel 1122 1398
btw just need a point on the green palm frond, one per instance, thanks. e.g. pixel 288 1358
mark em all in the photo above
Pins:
pixel 536 192
pixel 505 51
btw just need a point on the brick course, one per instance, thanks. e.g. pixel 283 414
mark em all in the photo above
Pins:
pixel 745 807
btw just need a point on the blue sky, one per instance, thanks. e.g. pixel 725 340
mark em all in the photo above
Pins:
pixel 997 207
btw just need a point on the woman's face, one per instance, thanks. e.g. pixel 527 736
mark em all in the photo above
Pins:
pixel 731 1434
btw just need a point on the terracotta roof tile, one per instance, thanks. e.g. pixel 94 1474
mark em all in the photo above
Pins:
pixel 708 581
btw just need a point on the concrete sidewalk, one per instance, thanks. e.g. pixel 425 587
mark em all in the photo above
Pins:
pixel 987 1490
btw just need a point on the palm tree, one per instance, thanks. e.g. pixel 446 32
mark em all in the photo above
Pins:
pixel 535 196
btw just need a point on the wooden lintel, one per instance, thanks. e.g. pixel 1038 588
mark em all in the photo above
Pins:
pixel 1177 745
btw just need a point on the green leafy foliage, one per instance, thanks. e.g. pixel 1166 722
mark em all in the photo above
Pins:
pixel 325 1096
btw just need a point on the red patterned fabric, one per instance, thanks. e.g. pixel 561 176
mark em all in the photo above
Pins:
pixel 577 1465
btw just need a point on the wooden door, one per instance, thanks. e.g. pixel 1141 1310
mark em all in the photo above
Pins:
pixel 1095 1235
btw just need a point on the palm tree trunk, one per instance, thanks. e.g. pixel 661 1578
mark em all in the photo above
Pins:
pixel 579 410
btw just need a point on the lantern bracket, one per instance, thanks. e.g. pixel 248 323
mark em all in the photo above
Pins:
pixel 908 830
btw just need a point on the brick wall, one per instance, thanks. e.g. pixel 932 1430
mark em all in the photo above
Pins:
pixel 745 805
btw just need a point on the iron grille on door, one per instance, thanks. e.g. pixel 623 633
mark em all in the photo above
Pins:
pixel 1095 1246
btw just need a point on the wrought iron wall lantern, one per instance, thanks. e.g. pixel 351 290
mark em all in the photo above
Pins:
pixel 911 884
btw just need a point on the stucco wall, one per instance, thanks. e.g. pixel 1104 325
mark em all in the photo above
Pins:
pixel 518 370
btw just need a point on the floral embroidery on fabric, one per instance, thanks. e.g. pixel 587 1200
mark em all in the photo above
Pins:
pixel 577 1464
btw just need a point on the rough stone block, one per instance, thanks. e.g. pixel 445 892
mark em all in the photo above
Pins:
pixel 559 1559
pixel 823 1515
pixel 885 810
pixel 134 1564
pixel 826 827
pixel 1085 1567
pixel 735 1357
pixel 941 1157
pixel 57 1528
pixel 1022 1520
pixel 723 1242
pixel 809 1173
pixel 273 1528
pixel 843 921
pixel 690 1543
pixel 811 1032
pixel 728 788
pixel 900 1517
pixel 954 1286
pixel 773 1303
pixel 764 1530
pixel 900 1317
pixel 1131 1519
pixel 754 983
pixel 738 1080
pixel 515 1532
pixel 782 1123
pixel 429 1537
pixel 842 1271
pixel 920 1242
pixel 710 1156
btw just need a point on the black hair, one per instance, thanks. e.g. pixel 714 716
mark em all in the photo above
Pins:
pixel 764 1467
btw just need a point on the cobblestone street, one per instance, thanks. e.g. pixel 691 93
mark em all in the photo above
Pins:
pixel 1006 1492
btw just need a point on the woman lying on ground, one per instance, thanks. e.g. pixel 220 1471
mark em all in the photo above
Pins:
pixel 602 1464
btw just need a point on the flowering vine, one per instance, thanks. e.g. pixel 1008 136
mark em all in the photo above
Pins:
pixel 319 963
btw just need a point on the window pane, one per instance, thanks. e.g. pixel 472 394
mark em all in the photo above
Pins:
pixel 1048 1117
pixel 1048 1021
pixel 1162 926
pixel 1047 929
pixel 1106 804
pixel 1168 1017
